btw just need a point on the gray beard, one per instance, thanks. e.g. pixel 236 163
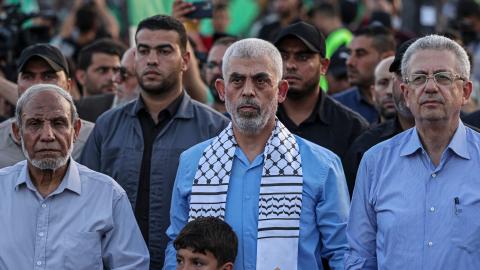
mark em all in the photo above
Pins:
pixel 48 164
pixel 250 123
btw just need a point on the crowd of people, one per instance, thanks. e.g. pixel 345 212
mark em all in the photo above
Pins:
pixel 316 142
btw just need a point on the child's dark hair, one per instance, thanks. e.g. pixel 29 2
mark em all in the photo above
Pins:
pixel 209 234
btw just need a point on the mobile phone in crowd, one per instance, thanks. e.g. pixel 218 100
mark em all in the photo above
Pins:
pixel 203 9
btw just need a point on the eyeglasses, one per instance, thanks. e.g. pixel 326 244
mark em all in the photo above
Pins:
pixel 124 73
pixel 443 78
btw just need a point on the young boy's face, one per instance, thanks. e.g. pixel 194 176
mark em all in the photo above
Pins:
pixel 189 260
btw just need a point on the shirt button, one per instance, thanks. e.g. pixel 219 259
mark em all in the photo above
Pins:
pixel 39 263
pixel 430 243
pixel 432 209
pixel 40 234
pixel 434 175
pixel 44 205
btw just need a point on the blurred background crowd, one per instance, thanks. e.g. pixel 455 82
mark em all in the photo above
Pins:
pixel 72 25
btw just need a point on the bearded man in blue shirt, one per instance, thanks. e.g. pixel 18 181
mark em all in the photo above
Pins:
pixel 416 203
pixel 54 212
pixel 286 198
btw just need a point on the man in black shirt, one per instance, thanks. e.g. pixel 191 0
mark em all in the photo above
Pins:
pixel 139 143
pixel 381 132
pixel 308 111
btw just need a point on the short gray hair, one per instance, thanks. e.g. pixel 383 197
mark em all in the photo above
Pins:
pixel 38 88
pixel 436 42
pixel 251 48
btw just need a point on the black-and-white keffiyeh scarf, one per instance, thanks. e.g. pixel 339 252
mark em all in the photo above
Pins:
pixel 280 200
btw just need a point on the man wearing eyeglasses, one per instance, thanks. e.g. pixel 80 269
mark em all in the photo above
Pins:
pixel 127 89
pixel 213 70
pixel 416 203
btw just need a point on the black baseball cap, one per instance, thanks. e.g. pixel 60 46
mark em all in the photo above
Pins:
pixel 47 52
pixel 396 65
pixel 338 62
pixel 307 33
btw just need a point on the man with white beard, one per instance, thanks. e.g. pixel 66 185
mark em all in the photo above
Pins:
pixel 285 197
pixel 54 212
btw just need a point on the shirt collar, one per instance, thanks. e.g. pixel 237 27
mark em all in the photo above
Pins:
pixel 181 107
pixel 70 181
pixel 458 143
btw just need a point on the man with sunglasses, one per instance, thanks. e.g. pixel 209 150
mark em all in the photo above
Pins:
pixel 416 203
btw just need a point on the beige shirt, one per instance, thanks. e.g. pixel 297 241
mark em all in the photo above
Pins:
pixel 11 150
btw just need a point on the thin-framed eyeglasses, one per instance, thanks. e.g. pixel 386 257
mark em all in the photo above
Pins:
pixel 441 79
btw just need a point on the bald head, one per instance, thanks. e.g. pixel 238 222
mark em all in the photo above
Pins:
pixel 383 89
pixel 126 80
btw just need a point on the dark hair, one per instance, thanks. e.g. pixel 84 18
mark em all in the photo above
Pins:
pixel 209 234
pixel 383 39
pixel 87 17
pixel 163 22
pixel 225 41
pixel 104 45
pixel 325 9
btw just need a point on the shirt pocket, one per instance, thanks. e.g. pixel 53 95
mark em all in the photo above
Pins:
pixel 82 251
pixel 466 228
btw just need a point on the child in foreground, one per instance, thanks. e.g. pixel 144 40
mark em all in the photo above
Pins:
pixel 206 243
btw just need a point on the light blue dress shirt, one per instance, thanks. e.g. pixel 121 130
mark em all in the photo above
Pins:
pixel 407 213
pixel 325 203
pixel 86 223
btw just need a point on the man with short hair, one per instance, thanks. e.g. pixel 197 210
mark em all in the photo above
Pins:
pixel 56 213
pixel 97 65
pixel 139 143
pixel 369 45
pixel 285 197
pixel 213 70
pixel 383 90
pixel 402 120
pixel 126 80
pixel 416 197
pixel 309 112
pixel 40 63
pixel 208 241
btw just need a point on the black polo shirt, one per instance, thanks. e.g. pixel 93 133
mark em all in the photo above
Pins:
pixel 330 125
pixel 376 134
pixel 150 131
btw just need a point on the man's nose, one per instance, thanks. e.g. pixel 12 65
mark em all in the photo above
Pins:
pixel 47 133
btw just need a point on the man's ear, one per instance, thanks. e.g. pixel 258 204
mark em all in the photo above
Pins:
pixel 186 60
pixel 77 125
pixel 220 86
pixel 406 93
pixel 227 266
pixel 16 131
pixel 282 90
pixel 467 91
pixel 324 62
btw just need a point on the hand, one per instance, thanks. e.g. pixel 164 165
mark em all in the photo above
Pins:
pixel 180 9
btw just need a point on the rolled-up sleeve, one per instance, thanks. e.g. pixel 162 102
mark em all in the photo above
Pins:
pixel 123 246
pixel 362 224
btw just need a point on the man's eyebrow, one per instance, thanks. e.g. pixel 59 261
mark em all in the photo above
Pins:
pixel 261 75
pixel 161 46
pixel 237 75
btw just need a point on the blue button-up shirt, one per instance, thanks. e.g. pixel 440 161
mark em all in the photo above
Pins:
pixel 353 99
pixel 325 203
pixel 407 213
pixel 86 223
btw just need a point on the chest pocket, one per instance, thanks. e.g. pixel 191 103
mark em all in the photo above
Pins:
pixel 466 228
pixel 82 250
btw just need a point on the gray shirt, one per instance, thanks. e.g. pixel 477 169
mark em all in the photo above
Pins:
pixel 11 149
pixel 116 144
pixel 86 223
